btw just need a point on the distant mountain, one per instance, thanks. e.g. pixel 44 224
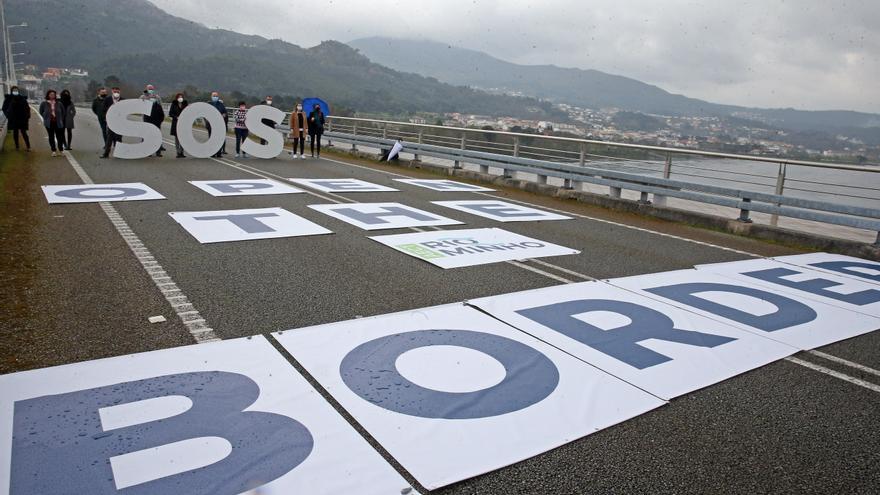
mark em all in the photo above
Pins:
pixel 139 43
pixel 585 88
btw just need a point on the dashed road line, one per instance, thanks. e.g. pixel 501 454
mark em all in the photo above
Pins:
pixel 183 308
pixel 836 374
pixel 860 367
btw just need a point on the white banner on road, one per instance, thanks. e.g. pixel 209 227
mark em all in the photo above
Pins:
pixel 501 211
pixel 245 225
pixel 452 393
pixel 837 290
pixel 655 346
pixel 457 248
pixel 342 185
pixel 444 185
pixel 837 264
pixel 244 187
pixel 221 418
pixel 377 216
pixel 771 312
pixel 94 193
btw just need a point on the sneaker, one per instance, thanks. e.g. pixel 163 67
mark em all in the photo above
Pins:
pixel 303 156
pixel 237 155
pixel 54 154
pixel 244 155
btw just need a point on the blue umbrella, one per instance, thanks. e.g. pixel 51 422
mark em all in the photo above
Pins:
pixel 309 105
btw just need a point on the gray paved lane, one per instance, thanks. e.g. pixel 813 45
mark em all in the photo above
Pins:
pixel 779 429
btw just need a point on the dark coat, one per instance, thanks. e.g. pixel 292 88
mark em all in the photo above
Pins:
pixel 220 108
pixel 157 115
pixel 98 108
pixel 108 102
pixel 17 111
pixel 267 122
pixel 174 112
pixel 69 115
pixel 316 122
pixel 46 112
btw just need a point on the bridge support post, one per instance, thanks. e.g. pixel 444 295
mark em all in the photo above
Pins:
pixel 354 132
pixel 780 187
pixel 643 198
pixel 463 146
pixel 614 192
pixel 659 199
pixel 417 157
pixel 507 172
pixel 744 211
pixel 877 242
pixel 542 179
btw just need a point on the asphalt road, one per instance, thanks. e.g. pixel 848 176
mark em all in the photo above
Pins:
pixel 76 292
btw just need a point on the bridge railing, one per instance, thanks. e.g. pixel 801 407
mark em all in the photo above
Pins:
pixel 834 193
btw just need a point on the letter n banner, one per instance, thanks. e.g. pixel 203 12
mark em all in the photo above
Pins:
pixel 218 419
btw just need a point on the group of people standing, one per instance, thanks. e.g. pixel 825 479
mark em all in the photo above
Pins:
pixel 57 113
pixel 301 124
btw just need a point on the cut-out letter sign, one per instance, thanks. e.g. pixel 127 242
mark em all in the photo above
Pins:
pixel 245 225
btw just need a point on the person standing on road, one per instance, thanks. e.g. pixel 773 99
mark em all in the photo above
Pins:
pixel 218 104
pixel 174 112
pixel 98 110
pixel 52 113
pixel 316 129
pixel 270 123
pixel 112 137
pixel 299 127
pixel 241 131
pixel 156 117
pixel 18 113
pixel 69 114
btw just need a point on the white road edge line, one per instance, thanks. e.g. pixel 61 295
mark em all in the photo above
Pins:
pixel 836 374
pixel 860 367
pixel 189 316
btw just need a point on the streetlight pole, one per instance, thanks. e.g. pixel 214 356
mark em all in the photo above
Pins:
pixel 13 80
pixel 5 47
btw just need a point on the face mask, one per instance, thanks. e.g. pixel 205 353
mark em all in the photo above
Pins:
pixel 299 108
pixel 15 93
pixel 269 102
pixel 116 95
pixel 215 98
pixel 180 100
pixel 151 91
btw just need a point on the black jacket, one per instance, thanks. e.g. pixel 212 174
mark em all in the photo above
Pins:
pixel 268 122
pixel 316 122
pixel 98 108
pixel 17 111
pixel 157 115
pixel 174 112
pixel 108 102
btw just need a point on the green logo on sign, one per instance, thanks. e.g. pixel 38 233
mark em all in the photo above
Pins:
pixel 419 251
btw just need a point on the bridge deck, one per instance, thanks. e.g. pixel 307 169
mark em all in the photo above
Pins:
pixel 74 292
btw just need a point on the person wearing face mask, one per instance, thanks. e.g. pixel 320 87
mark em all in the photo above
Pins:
pixel 299 127
pixel 150 95
pixel 217 103
pixel 316 129
pixel 156 117
pixel 174 112
pixel 98 110
pixel 267 101
pixel 112 137
pixel 18 113
pixel 52 113
pixel 69 114
pixel 241 131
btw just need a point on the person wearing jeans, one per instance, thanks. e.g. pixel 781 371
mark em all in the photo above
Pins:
pixel 241 132
pixel 52 112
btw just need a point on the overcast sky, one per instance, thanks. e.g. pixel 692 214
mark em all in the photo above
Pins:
pixel 810 54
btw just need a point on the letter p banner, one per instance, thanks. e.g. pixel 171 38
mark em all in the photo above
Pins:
pixel 60 446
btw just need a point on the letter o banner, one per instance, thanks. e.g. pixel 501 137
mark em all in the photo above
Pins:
pixel 369 370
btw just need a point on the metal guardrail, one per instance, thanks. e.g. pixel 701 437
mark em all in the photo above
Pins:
pixel 629 174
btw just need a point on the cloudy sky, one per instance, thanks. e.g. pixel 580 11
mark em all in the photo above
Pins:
pixel 810 54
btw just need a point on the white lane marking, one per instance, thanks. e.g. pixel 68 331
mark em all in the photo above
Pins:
pixel 860 367
pixel 836 374
pixel 540 272
pixel 566 212
pixel 563 270
pixel 194 323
